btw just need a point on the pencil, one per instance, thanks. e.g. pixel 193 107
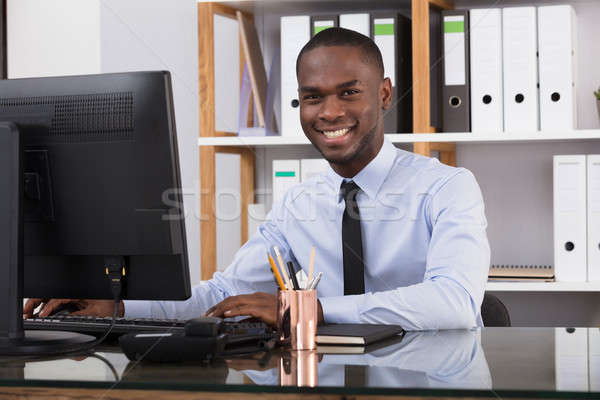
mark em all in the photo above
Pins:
pixel 288 283
pixel 293 275
pixel 276 272
pixel 315 282
pixel 311 266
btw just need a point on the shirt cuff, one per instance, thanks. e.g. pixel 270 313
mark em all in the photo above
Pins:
pixel 137 309
pixel 341 309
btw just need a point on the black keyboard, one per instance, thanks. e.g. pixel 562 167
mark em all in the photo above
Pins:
pixel 99 325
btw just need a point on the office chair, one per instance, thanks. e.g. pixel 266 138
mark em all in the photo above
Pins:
pixel 494 312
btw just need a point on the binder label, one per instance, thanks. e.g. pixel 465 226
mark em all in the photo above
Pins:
pixel 285 174
pixel 454 50
pixel 384 29
pixel 322 25
pixel 384 39
pixel 454 26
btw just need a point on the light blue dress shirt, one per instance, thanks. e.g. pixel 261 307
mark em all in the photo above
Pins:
pixel 425 247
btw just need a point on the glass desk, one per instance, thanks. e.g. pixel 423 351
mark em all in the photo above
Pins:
pixel 490 362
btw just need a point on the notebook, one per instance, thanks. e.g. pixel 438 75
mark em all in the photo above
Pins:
pixel 355 334
pixel 544 273
pixel 345 349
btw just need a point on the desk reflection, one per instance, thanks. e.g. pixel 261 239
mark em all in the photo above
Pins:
pixel 443 359
pixel 565 360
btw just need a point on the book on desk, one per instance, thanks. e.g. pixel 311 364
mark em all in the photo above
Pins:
pixel 355 334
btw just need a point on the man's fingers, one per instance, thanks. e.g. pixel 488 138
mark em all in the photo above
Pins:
pixel 51 305
pixel 233 301
pixel 209 312
pixel 30 306
pixel 259 305
pixel 266 314
pixel 96 308
pixel 241 310
pixel 254 299
pixel 47 307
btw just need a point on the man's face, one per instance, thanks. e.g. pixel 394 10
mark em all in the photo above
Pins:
pixel 341 106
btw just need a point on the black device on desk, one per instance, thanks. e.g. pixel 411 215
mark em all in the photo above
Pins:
pixel 156 339
pixel 200 339
pixel 90 194
pixel 98 325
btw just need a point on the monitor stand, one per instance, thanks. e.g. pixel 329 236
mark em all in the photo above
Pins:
pixel 13 339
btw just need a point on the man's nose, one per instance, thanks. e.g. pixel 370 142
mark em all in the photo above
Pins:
pixel 331 109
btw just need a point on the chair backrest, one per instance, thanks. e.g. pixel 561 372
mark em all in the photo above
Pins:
pixel 494 312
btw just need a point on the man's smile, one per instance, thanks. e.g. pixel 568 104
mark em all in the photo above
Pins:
pixel 335 132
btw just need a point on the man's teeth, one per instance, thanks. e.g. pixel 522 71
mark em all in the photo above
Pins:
pixel 338 133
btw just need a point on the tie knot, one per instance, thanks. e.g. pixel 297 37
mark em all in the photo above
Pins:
pixel 349 190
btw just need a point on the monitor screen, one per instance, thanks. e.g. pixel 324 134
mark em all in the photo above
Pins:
pixel 101 179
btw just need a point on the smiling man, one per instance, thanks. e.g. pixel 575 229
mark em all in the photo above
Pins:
pixel 400 238
pixel 342 104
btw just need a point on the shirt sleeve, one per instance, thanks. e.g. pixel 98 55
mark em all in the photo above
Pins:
pixel 249 272
pixel 456 270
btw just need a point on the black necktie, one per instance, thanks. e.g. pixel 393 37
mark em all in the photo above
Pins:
pixel 354 269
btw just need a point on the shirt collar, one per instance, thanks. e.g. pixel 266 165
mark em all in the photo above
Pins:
pixel 371 177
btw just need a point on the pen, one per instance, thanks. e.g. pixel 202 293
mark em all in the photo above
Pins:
pixel 288 283
pixel 315 282
pixel 311 266
pixel 276 273
pixel 293 275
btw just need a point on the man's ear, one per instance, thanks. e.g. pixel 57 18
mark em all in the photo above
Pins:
pixel 385 93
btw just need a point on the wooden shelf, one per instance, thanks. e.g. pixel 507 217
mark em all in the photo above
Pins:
pixel 543 287
pixel 468 137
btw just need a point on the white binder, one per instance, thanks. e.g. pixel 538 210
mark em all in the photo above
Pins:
pixel 571 359
pixel 593 217
pixel 570 220
pixel 386 41
pixel 310 167
pixel 295 33
pixel 557 36
pixel 384 34
pixel 286 173
pixel 355 22
pixel 321 22
pixel 519 43
pixel 594 358
pixel 486 70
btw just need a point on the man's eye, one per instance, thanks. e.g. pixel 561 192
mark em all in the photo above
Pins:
pixel 311 97
pixel 350 92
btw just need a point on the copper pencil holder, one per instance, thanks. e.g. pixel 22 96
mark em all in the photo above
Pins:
pixel 298 368
pixel 297 318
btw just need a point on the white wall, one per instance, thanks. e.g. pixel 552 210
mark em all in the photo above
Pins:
pixel 227 70
pixel 227 206
pixel 66 37
pixel 162 34
pixel 50 37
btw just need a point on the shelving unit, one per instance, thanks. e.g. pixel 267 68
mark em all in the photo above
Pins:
pixel 543 287
pixel 514 169
pixel 466 137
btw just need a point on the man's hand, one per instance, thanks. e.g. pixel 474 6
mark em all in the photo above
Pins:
pixel 258 305
pixel 97 308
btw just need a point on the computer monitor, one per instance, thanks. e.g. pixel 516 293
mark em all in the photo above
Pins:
pixel 100 180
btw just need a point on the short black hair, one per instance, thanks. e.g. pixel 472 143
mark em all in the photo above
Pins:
pixel 345 37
